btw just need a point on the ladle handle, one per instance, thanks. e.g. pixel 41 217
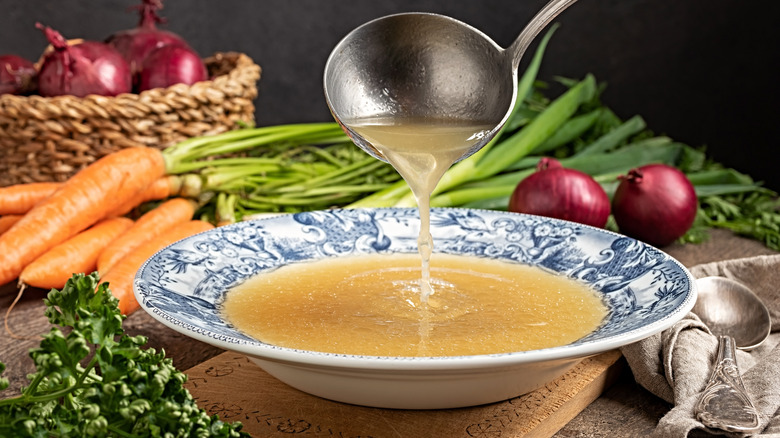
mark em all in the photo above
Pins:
pixel 725 403
pixel 537 23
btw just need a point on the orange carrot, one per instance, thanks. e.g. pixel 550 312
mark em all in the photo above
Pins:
pixel 164 187
pixel 75 255
pixel 120 276
pixel 8 221
pixel 147 227
pixel 20 198
pixel 81 201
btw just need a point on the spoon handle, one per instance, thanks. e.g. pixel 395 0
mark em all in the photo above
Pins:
pixel 537 23
pixel 725 403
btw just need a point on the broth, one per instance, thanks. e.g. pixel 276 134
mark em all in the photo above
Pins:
pixel 421 150
pixel 371 305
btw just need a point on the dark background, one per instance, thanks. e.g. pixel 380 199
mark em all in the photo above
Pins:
pixel 704 72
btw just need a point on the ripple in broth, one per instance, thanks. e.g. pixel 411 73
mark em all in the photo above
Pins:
pixel 370 305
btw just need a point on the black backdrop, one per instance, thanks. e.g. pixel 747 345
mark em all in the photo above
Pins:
pixel 704 72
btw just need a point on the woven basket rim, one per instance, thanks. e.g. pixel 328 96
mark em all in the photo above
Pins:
pixel 243 64
pixel 51 138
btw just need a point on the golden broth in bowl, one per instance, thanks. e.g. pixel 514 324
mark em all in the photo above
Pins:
pixel 371 305
pixel 186 285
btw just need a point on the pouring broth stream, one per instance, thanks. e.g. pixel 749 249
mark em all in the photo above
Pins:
pixel 421 150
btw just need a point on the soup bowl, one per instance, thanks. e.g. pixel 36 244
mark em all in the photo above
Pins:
pixel 644 289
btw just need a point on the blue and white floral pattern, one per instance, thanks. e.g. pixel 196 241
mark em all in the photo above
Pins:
pixel 184 284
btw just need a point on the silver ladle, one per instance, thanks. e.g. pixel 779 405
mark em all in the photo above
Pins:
pixel 740 319
pixel 423 65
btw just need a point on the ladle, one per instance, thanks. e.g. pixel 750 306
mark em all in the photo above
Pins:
pixel 424 65
pixel 738 317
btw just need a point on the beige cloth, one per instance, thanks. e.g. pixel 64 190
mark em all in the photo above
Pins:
pixel 676 363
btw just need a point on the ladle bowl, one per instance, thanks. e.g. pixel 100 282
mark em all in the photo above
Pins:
pixel 427 66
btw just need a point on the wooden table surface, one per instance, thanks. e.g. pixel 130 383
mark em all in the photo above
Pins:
pixel 624 410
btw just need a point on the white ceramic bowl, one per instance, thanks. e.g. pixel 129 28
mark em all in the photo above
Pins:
pixel 646 291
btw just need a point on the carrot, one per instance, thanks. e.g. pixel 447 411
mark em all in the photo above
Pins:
pixel 81 201
pixel 20 198
pixel 147 227
pixel 8 221
pixel 162 188
pixel 120 276
pixel 76 255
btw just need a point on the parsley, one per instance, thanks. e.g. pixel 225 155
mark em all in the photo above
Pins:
pixel 754 214
pixel 92 379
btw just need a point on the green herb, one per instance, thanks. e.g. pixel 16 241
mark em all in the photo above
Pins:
pixel 92 379
pixel 285 168
pixel 753 213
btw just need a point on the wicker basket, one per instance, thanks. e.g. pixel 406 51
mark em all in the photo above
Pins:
pixel 49 139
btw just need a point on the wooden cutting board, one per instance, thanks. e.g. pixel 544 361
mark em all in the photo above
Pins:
pixel 237 390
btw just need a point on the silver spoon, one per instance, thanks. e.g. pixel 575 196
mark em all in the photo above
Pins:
pixel 423 65
pixel 738 317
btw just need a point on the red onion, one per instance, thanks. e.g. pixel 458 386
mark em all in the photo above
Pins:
pixel 86 68
pixel 655 203
pixel 171 65
pixel 558 192
pixel 17 75
pixel 136 44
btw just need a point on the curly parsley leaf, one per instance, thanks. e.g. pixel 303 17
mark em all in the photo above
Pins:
pixel 93 380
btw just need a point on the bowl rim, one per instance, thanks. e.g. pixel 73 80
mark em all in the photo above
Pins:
pixel 411 364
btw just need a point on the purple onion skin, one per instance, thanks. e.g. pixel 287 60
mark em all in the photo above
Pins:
pixel 136 44
pixel 89 67
pixel 656 204
pixel 561 193
pixel 17 75
pixel 170 65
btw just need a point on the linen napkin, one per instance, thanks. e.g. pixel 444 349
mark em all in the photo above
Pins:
pixel 676 364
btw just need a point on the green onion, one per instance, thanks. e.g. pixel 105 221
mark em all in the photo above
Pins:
pixel 613 138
